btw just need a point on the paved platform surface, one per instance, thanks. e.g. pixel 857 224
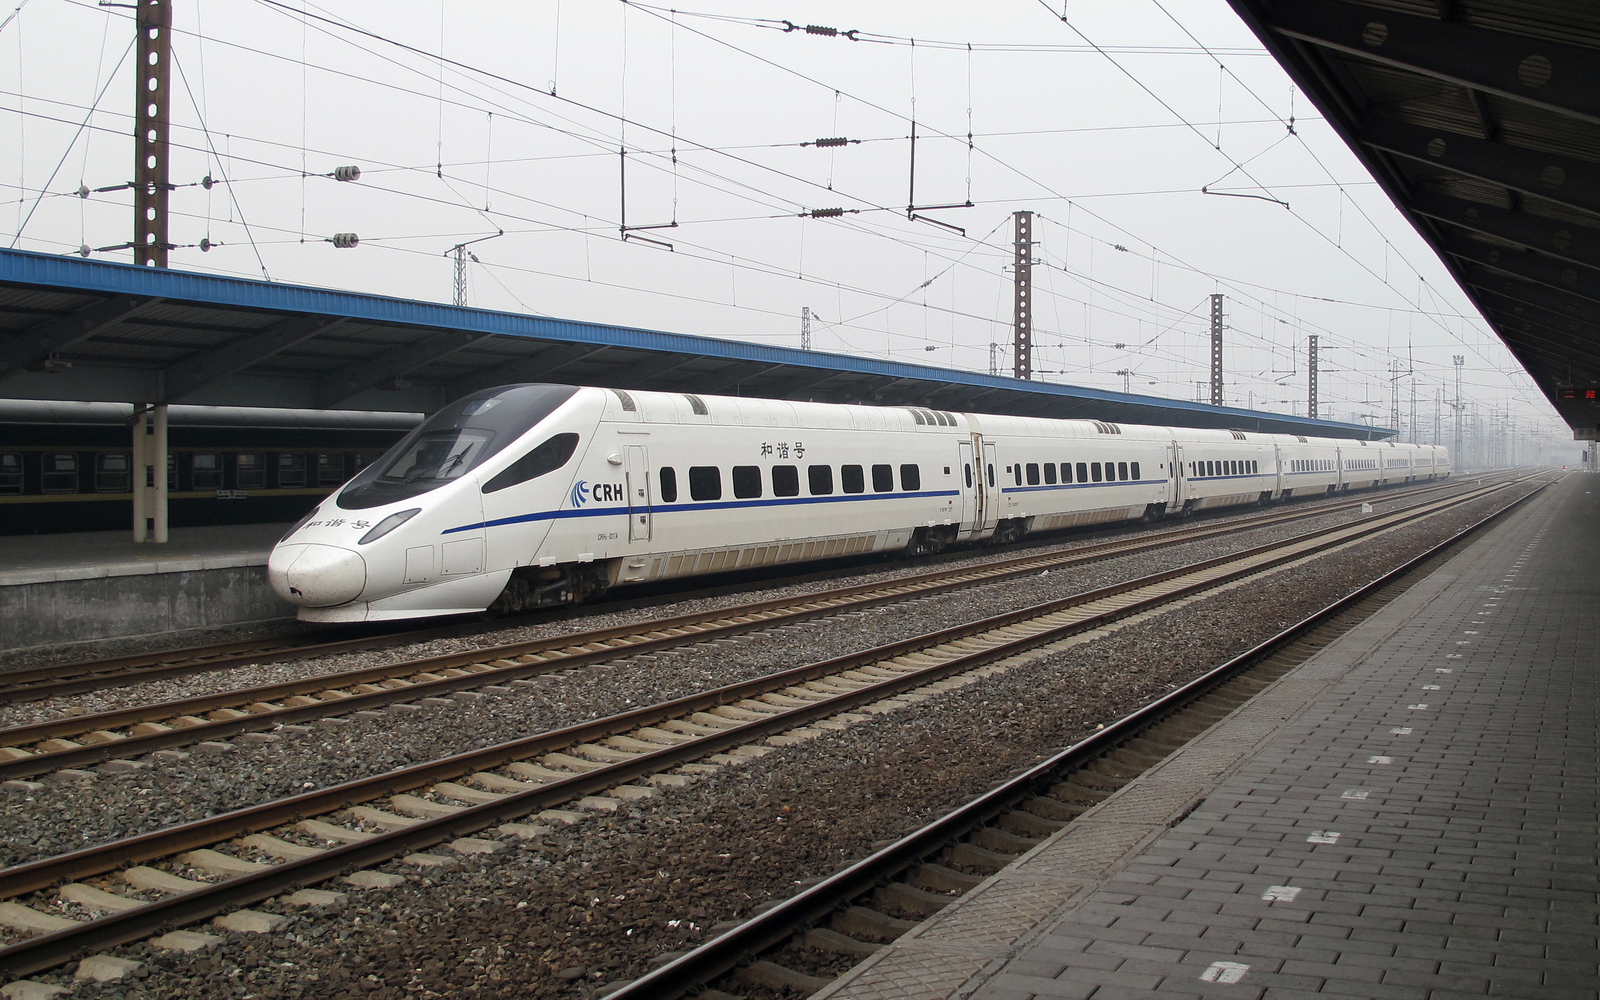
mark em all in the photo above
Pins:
pixel 26 559
pixel 1412 813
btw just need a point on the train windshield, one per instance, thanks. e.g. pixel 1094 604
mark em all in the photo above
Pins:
pixel 453 442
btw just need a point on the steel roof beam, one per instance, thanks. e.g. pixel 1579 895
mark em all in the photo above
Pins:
pixel 37 343
pixel 535 369
pixel 352 380
pixel 1565 309
pixel 1561 78
pixel 655 368
pixel 743 372
pixel 1525 264
pixel 1562 240
pixel 189 376
pixel 1562 179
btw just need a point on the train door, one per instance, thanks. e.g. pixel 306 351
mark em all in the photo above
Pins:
pixel 988 491
pixel 971 478
pixel 1174 498
pixel 638 474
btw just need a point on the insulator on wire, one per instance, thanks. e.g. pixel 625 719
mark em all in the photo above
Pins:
pixel 84 250
pixel 344 241
pixel 825 213
pixel 818 29
pixel 351 173
pixel 83 191
pixel 207 182
pixel 206 245
pixel 835 141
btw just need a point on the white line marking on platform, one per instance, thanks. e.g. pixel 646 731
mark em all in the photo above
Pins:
pixel 1355 794
pixel 1420 706
pixel 1224 972
pixel 1380 759
pixel 1443 670
pixel 1280 893
pixel 1323 837
pixel 1401 731
pixel 1430 687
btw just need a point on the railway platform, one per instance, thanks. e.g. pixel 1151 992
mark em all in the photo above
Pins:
pixel 1411 813
pixel 102 584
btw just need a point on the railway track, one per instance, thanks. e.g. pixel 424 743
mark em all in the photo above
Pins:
pixel 199 869
pixel 851 914
pixel 86 740
pixel 61 680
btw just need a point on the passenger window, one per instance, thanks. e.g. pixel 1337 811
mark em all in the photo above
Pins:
pixel 1033 473
pixel 1016 474
pixel 851 479
pixel 330 469
pixel 785 481
pixel 548 457
pixel 10 473
pixel 1083 473
pixel 1135 469
pixel 705 482
pixel 1122 470
pixel 205 471
pixel 883 478
pixel 820 479
pixel 291 472
pixel 746 481
pixel 1066 472
pixel 911 477
pixel 1049 473
pixel 59 473
pixel 1094 471
pixel 989 473
pixel 669 484
pixel 250 471
pixel 968 468
pixel 111 473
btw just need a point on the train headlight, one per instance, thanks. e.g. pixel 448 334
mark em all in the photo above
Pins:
pixel 388 524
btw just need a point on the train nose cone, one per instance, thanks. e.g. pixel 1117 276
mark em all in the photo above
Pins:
pixel 316 576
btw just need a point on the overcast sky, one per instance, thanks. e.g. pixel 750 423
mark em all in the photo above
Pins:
pixel 1107 126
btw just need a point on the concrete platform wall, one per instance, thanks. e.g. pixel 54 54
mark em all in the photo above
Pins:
pixel 102 607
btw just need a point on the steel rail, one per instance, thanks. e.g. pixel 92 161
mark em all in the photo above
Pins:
pixel 37 683
pixel 51 949
pixel 760 933
pixel 623 641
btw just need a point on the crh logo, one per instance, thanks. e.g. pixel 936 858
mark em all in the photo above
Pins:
pixel 601 493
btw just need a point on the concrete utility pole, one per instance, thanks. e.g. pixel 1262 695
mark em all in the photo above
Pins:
pixel 1022 298
pixel 1311 379
pixel 1216 350
pixel 152 120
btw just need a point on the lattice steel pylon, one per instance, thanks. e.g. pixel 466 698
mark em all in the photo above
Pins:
pixel 1022 297
pixel 1311 379
pixel 1216 350
pixel 150 145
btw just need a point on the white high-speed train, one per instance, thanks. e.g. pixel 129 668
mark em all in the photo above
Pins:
pixel 531 495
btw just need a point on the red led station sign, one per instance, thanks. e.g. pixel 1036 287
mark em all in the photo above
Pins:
pixel 1589 393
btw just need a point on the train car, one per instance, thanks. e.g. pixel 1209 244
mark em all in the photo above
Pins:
pixel 68 466
pixel 533 495
pixel 1360 465
pixel 1310 466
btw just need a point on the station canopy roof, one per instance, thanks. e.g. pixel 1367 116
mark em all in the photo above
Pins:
pixel 1481 119
pixel 73 329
